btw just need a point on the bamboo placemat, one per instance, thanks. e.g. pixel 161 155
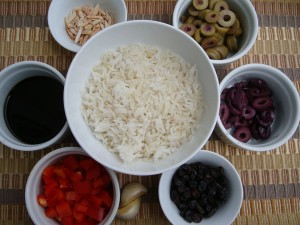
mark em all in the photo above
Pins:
pixel 271 180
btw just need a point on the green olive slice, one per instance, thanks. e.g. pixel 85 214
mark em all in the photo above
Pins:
pixel 207 29
pixel 188 28
pixel 190 19
pixel 197 35
pixel 223 50
pixel 234 27
pixel 212 16
pixel 227 18
pixel 213 53
pixel 197 23
pixel 238 32
pixel 231 43
pixel 220 29
pixel 193 11
pixel 202 13
pixel 200 4
pixel 212 3
pixel 220 6
pixel 209 42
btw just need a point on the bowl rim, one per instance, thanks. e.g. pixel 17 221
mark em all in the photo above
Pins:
pixel 70 45
pixel 56 74
pixel 238 55
pixel 166 176
pixel 54 156
pixel 294 94
pixel 68 112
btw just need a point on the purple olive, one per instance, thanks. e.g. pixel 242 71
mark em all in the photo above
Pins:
pixel 223 94
pixel 242 134
pixel 254 129
pixel 265 118
pixel 224 112
pixel 264 132
pixel 241 85
pixel 262 103
pixel 233 110
pixel 248 112
pixel 240 99
pixel 237 121
pixel 256 92
pixel 259 83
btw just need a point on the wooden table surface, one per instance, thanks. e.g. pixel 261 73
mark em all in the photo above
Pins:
pixel 271 180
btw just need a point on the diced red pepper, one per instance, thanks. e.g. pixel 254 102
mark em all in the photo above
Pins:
pixel 76 176
pixel 48 171
pixel 106 198
pixel 51 212
pixel 96 213
pixel 72 196
pixel 81 207
pixel 79 216
pixel 93 173
pixel 82 187
pixel 71 162
pixel 63 209
pixel 88 163
pixel 42 200
pixel 68 220
pixel 60 172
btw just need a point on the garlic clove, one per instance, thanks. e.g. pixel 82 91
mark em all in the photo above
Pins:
pixel 130 210
pixel 131 192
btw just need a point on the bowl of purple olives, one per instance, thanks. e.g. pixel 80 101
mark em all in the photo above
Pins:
pixel 259 108
pixel 225 29
pixel 207 190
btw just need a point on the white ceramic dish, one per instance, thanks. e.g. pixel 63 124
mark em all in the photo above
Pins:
pixel 9 77
pixel 249 22
pixel 166 37
pixel 286 102
pixel 59 9
pixel 227 213
pixel 34 187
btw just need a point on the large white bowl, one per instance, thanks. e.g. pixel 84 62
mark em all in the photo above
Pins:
pixel 226 213
pixel 149 33
pixel 59 9
pixel 34 187
pixel 286 102
pixel 248 19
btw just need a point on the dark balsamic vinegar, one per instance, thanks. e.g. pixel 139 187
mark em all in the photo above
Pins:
pixel 34 110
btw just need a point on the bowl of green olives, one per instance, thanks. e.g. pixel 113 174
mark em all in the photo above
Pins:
pixel 206 190
pixel 225 29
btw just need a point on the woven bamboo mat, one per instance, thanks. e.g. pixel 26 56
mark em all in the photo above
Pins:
pixel 271 180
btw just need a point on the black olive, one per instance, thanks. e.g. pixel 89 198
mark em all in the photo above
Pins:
pixel 196 218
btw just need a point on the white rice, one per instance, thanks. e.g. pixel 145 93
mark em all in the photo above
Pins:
pixel 142 102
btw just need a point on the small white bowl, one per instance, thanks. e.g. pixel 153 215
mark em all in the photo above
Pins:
pixel 9 77
pixel 286 102
pixel 139 31
pixel 34 187
pixel 248 19
pixel 226 213
pixel 59 9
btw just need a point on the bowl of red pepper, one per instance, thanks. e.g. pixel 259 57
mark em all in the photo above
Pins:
pixel 68 187
pixel 259 108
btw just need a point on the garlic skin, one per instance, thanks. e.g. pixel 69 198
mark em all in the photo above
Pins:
pixel 131 200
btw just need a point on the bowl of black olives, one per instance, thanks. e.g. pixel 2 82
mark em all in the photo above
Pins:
pixel 207 190
pixel 225 29
pixel 259 108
